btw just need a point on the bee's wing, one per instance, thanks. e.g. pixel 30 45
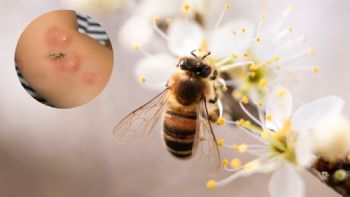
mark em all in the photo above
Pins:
pixel 141 121
pixel 205 144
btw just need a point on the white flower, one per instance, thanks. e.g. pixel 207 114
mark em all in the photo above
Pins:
pixel 271 54
pixel 286 140
pixel 93 5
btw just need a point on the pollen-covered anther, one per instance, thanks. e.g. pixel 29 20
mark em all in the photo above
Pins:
pixel 243 148
pixel 186 7
pixel 281 92
pixel 290 29
pixel 220 121
pixel 268 117
pixel 260 103
pixel 211 184
pixel 277 58
pixel 168 21
pixel 227 6
pixel 315 69
pixel 225 163
pixel 241 122
pixel 235 163
pixel 263 83
pixel 234 56
pixel 252 165
pixel 224 88
pixel 245 100
pixel 311 51
pixel 136 47
pixel 235 148
pixel 253 67
pixel 156 19
pixel 258 39
pixel 243 29
pixel 220 142
pixel 265 134
pixel 142 79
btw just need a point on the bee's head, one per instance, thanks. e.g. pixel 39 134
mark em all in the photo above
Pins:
pixel 194 65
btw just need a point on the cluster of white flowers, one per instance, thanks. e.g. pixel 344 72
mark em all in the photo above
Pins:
pixel 257 58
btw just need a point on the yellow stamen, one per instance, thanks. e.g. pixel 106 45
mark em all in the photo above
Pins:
pixel 311 51
pixel 142 79
pixel 227 6
pixel 220 121
pixel 243 148
pixel 168 21
pixel 263 17
pixel 235 148
pixel 260 103
pixel 252 165
pixel 224 88
pixel 156 19
pixel 268 117
pixel 186 7
pixel 276 58
pixel 211 184
pixel 290 29
pixel 265 134
pixel 258 39
pixel 225 163
pixel 235 163
pixel 315 69
pixel 241 122
pixel 220 142
pixel 262 83
pixel 234 56
pixel 135 47
pixel 245 54
pixel 253 67
pixel 281 93
pixel 244 29
pixel 245 100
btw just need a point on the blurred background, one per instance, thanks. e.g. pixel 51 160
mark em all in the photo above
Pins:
pixel 71 152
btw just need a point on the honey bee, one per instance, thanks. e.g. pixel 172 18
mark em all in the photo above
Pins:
pixel 183 106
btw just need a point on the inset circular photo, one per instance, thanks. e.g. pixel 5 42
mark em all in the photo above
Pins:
pixel 64 59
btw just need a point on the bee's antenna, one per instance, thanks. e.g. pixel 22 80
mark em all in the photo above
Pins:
pixel 206 55
pixel 192 53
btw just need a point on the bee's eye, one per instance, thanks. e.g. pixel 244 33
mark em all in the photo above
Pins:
pixel 183 64
pixel 205 72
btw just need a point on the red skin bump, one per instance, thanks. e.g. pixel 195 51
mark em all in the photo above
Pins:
pixel 68 64
pixel 90 78
pixel 57 37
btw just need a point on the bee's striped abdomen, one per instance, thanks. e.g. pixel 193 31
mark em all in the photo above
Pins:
pixel 179 132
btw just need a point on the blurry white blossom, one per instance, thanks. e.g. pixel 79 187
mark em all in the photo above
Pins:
pixel 286 141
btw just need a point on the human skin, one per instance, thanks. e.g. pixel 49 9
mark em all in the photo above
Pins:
pixel 62 65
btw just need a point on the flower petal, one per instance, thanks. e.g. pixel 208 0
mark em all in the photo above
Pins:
pixel 279 107
pixel 136 30
pixel 309 115
pixel 304 149
pixel 156 69
pixel 286 182
pixel 184 37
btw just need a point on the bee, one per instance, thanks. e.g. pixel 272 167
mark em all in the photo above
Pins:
pixel 183 105
pixel 56 55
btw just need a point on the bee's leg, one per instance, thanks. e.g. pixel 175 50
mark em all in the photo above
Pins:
pixel 214 75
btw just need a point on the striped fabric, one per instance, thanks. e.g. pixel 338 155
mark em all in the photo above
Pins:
pixel 86 26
